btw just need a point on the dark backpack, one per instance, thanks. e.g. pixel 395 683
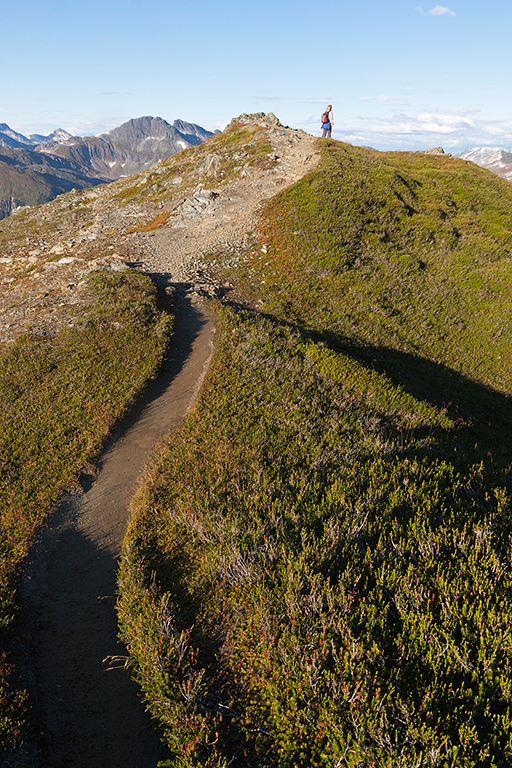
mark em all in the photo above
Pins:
pixel 325 117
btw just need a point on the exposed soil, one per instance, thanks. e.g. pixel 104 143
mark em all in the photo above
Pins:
pixel 90 713
pixel 46 252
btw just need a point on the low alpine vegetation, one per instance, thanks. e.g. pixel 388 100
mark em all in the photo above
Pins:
pixel 318 572
pixel 60 395
pixel 397 251
pixel 217 161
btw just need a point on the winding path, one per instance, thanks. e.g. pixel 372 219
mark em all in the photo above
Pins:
pixel 92 716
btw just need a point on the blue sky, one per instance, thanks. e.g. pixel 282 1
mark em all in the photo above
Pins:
pixel 399 75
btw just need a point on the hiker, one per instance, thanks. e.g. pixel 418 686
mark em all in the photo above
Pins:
pixel 327 122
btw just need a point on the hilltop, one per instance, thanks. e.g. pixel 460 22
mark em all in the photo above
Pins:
pixel 321 557
pixel 162 220
pixel 81 327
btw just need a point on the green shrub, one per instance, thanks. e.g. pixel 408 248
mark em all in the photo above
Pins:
pixel 318 571
pixel 59 397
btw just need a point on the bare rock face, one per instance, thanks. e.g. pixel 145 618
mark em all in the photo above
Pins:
pixel 132 147
pixel 6 206
pixel 259 118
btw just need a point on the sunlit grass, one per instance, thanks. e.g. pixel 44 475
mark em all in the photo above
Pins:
pixel 319 568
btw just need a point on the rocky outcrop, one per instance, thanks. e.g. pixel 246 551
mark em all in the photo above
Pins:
pixel 437 151
pixel 431 151
pixel 195 205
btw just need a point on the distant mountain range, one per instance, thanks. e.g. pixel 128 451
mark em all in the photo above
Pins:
pixel 14 140
pixel 34 169
pixel 495 159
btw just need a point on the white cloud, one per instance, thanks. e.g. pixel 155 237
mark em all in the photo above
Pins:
pixel 423 123
pixel 327 100
pixel 438 10
pixel 461 111
pixel 441 10
pixel 388 127
pixel 454 130
pixel 495 130
pixel 219 125
pixel 375 98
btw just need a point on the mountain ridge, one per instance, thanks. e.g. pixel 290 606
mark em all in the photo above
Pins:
pixel 131 147
pixel 498 160
pixel 35 169
pixel 120 222
pixel 12 139
pixel 361 560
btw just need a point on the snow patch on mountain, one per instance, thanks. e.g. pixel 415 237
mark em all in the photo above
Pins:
pixel 496 159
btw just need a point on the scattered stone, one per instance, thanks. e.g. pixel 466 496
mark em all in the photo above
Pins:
pixel 92 231
pixel 432 151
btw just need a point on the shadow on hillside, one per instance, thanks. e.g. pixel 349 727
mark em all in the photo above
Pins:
pixel 482 415
pixel 187 327
pixel 66 592
pixel 89 711
pixel 467 402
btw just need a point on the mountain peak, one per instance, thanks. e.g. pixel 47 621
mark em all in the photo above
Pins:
pixel 140 129
pixel 58 135
pixel 13 139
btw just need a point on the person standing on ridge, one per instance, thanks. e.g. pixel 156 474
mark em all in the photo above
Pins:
pixel 327 122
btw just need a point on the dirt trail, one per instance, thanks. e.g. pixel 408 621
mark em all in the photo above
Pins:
pixel 223 220
pixel 91 716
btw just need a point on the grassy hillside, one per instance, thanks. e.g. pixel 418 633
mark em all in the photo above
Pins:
pixel 60 395
pixel 405 260
pixel 88 345
pixel 318 571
